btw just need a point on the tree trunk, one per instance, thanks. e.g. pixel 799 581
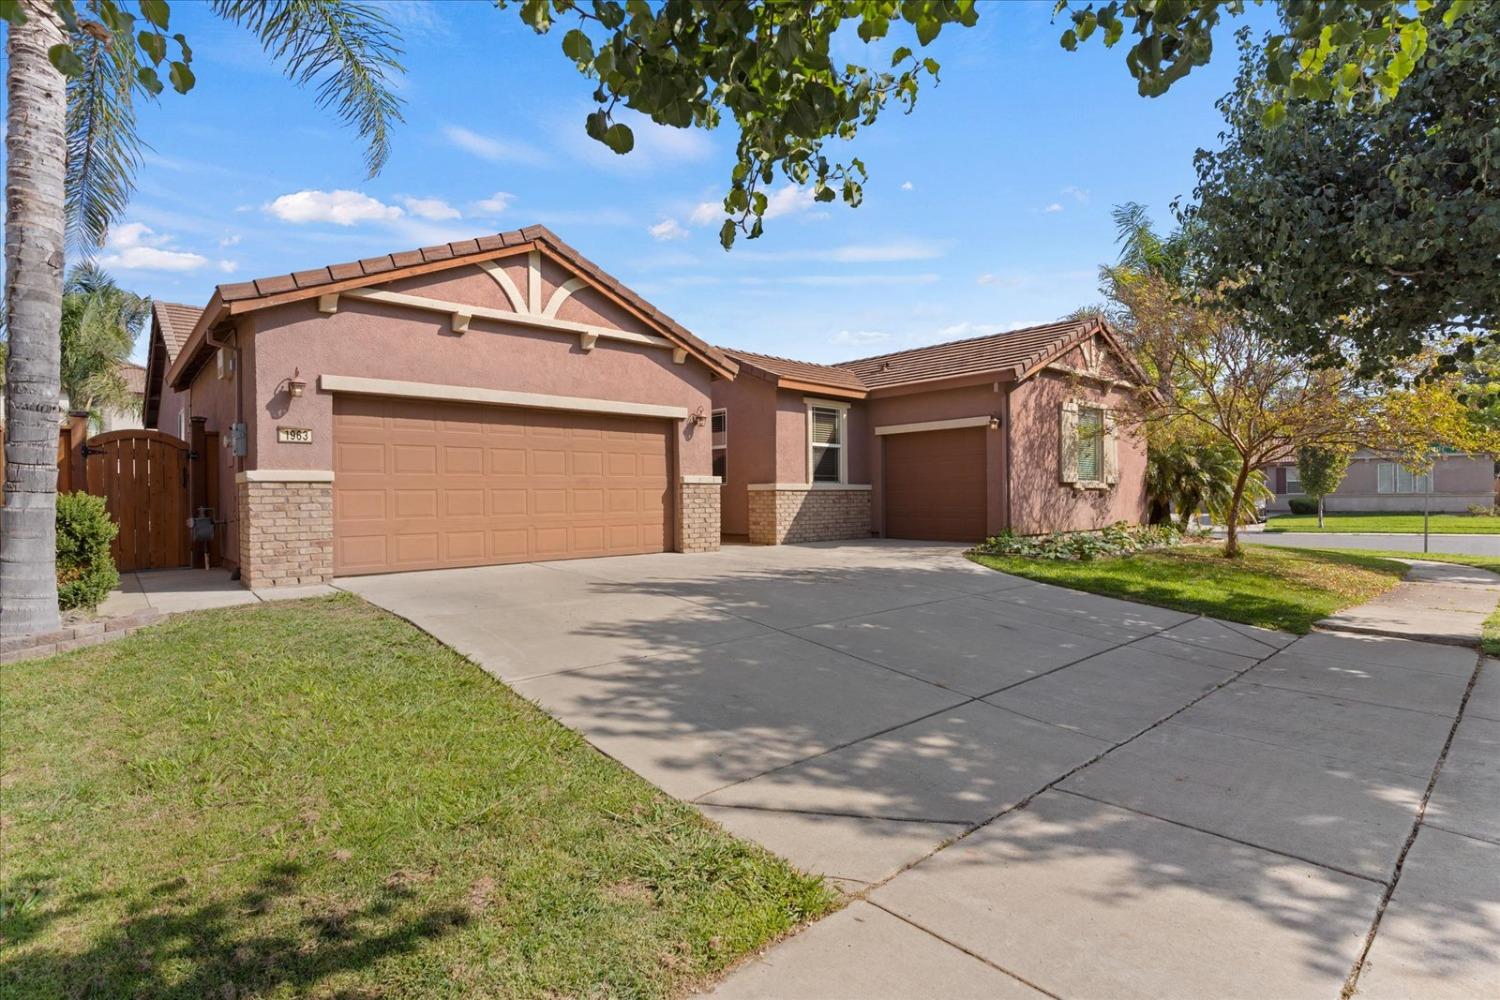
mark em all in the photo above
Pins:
pixel 1320 513
pixel 1232 529
pixel 35 163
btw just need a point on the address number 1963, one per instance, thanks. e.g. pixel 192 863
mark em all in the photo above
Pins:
pixel 294 435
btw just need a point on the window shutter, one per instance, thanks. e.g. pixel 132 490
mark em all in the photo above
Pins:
pixel 1068 443
pixel 1111 450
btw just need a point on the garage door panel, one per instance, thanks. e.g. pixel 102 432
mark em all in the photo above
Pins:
pixel 935 485
pixel 421 485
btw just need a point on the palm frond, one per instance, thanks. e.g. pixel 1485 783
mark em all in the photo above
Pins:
pixel 348 49
pixel 104 149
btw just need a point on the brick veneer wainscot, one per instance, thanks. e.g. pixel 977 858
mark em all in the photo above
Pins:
pixel 286 533
pixel 698 514
pixel 780 514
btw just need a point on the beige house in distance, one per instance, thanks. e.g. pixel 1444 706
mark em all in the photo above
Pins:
pixel 1378 483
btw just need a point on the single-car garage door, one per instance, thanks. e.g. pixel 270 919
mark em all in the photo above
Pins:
pixel 934 485
pixel 428 485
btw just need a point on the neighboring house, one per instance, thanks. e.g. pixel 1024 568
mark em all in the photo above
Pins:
pixel 113 419
pixel 1377 483
pixel 505 400
pixel 164 408
pixel 1027 431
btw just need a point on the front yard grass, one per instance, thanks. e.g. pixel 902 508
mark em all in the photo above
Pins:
pixel 317 799
pixel 1386 524
pixel 1287 589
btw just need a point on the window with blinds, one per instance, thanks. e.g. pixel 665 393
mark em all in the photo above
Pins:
pixel 825 425
pixel 1391 477
pixel 1090 445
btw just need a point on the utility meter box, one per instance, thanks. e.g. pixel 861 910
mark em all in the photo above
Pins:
pixel 237 440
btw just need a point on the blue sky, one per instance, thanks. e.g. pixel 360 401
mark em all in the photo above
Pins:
pixel 987 208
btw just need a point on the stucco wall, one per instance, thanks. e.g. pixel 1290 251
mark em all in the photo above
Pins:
pixel 171 413
pixel 1458 482
pixel 213 398
pixel 749 403
pixel 986 399
pixel 374 340
pixel 1040 501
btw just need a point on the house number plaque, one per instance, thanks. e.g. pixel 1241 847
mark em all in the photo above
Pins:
pixel 294 435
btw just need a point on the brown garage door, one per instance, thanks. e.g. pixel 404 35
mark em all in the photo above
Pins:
pixel 424 485
pixel 934 485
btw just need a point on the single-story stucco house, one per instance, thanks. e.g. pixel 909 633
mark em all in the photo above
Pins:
pixel 1378 482
pixel 1026 431
pixel 504 399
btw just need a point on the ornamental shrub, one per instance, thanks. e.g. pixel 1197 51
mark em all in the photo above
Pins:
pixel 1302 505
pixel 1118 539
pixel 85 570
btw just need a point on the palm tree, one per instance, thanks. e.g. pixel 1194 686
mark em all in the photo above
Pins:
pixel 71 154
pixel 100 321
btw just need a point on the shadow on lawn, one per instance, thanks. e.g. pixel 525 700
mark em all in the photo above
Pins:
pixel 169 941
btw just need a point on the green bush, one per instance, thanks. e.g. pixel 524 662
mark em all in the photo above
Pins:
pixel 85 570
pixel 1302 505
pixel 1116 540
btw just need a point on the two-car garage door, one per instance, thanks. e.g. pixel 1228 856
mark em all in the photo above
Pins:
pixel 427 485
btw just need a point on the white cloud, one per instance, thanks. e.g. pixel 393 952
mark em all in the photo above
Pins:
pixel 229 266
pixel 494 204
pixel 657 147
pixel 342 208
pixel 492 148
pixel 871 253
pixel 1078 194
pixel 230 241
pixel 136 247
pixel 431 208
pixel 860 338
pixel 707 213
pixel 668 229
pixel 789 200
pixel 906 185
pixel 1054 207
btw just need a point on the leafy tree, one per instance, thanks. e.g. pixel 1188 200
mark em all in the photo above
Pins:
pixel 1320 471
pixel 1366 237
pixel 100 321
pixel 1348 53
pixel 74 71
pixel 1187 470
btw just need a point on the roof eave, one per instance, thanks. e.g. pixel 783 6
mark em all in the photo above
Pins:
pixel 943 382
pixel 821 388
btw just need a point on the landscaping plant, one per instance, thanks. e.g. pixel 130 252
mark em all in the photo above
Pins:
pixel 1321 471
pixel 1116 540
pixel 85 569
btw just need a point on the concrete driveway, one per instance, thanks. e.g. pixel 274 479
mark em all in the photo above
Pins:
pixel 1028 790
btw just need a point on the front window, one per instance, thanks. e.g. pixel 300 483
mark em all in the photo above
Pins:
pixel 719 428
pixel 1391 477
pixel 826 432
pixel 1293 479
pixel 1090 445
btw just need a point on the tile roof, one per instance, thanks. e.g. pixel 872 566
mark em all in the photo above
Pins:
pixel 176 321
pixel 801 371
pixel 1016 350
pixel 389 263
pixel 135 377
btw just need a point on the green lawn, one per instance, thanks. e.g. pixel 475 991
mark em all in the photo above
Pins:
pixel 315 798
pixel 1286 589
pixel 1387 524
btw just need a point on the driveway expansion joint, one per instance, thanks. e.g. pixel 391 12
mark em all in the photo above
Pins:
pixel 1351 984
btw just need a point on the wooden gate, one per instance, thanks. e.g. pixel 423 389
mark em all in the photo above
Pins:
pixel 143 477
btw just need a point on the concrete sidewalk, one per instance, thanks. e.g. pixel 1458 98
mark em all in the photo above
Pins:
pixel 174 590
pixel 1437 602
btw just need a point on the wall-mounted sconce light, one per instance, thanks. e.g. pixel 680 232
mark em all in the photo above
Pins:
pixel 295 385
pixel 994 423
pixel 699 417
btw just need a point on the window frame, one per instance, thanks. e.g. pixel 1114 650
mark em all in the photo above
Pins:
pixel 717 450
pixel 1095 441
pixel 841 410
pixel 1419 484
pixel 1293 488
